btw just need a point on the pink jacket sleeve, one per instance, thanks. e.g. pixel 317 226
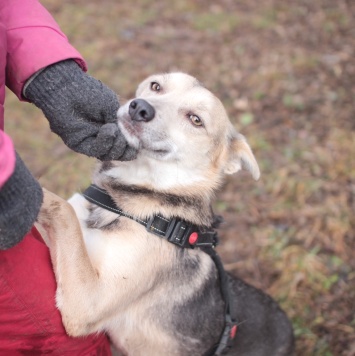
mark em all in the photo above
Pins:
pixel 34 41
pixel 7 158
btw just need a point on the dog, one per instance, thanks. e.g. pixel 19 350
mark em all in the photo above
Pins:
pixel 114 274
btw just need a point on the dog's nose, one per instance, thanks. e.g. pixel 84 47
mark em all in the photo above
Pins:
pixel 140 110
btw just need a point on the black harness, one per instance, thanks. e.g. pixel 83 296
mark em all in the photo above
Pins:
pixel 185 235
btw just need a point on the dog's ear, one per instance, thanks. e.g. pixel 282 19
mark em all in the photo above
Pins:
pixel 240 157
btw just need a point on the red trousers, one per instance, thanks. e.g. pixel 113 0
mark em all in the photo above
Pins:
pixel 30 323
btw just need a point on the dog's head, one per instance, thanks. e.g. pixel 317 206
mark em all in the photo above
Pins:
pixel 182 133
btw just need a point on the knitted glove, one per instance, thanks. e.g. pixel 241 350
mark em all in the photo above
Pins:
pixel 20 200
pixel 80 109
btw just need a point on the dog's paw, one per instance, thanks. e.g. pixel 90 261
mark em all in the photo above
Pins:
pixel 49 208
pixel 75 328
pixel 72 328
pixel 54 211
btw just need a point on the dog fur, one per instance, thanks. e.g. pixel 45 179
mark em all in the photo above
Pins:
pixel 150 296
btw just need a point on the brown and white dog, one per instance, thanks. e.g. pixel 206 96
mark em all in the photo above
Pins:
pixel 152 297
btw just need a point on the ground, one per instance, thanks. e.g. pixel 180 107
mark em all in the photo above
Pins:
pixel 285 72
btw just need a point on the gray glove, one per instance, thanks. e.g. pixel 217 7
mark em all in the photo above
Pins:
pixel 20 200
pixel 81 110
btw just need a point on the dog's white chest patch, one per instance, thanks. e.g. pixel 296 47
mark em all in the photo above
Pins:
pixel 95 240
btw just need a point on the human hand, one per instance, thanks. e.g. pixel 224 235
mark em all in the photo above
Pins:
pixel 81 110
pixel 20 201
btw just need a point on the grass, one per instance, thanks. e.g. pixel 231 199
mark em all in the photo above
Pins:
pixel 284 73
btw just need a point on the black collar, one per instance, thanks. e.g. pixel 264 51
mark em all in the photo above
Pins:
pixel 175 230
pixel 185 235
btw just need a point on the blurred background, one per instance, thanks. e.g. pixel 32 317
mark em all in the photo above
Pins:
pixel 285 71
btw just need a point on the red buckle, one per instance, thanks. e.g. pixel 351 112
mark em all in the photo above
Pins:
pixel 193 238
pixel 233 331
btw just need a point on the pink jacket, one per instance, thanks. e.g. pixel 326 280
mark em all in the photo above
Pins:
pixel 30 39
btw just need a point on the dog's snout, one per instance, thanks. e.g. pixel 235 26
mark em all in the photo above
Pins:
pixel 140 110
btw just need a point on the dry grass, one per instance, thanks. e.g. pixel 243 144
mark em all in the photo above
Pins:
pixel 285 72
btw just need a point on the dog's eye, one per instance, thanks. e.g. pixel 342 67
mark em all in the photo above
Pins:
pixel 155 86
pixel 195 120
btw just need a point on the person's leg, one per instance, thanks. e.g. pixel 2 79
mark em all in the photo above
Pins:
pixel 29 319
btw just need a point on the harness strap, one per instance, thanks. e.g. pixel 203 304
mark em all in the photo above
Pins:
pixel 226 340
pixel 185 235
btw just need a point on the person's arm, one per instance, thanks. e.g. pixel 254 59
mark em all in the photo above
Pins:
pixel 40 54
pixel 20 196
pixel 34 41
pixel 7 158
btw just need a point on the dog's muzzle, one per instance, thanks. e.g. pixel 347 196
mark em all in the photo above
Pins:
pixel 141 110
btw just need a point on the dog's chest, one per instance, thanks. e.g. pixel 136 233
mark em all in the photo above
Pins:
pixel 124 251
pixel 131 261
